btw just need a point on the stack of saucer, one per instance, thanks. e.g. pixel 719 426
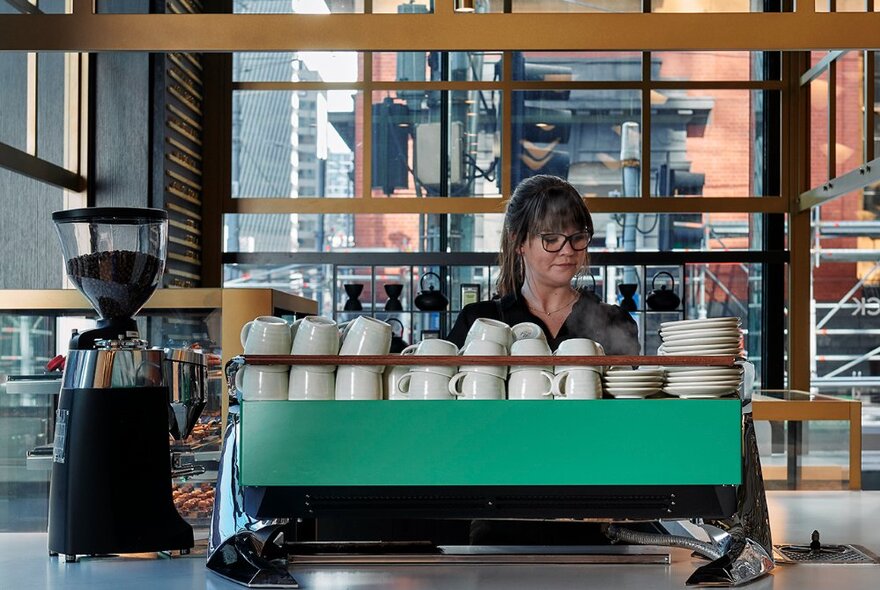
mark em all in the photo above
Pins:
pixel 702 382
pixel 711 336
pixel 626 382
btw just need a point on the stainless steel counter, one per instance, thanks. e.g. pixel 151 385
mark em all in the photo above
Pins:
pixel 841 517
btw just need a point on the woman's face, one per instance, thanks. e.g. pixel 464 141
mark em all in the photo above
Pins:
pixel 551 269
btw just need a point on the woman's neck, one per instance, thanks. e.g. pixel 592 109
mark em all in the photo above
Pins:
pixel 548 300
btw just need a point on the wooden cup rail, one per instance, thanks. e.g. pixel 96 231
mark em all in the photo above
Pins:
pixel 414 359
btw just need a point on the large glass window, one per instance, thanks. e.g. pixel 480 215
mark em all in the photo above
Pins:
pixel 287 144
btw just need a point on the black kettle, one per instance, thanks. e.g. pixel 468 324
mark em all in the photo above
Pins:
pixel 663 299
pixel 591 288
pixel 397 341
pixel 432 299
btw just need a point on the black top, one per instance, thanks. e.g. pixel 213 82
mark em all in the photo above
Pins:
pixel 606 324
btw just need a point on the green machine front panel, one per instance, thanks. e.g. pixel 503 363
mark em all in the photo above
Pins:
pixel 493 442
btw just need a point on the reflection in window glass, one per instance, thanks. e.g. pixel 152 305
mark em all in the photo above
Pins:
pixel 327 232
pixel 849 5
pixel 54 6
pixel 664 232
pixel 289 144
pixel 561 6
pixel 706 65
pixel 876 105
pixel 403 6
pixel 408 135
pixel 842 6
pixel 579 66
pixel 434 66
pixel 690 129
pixel 297 6
pixel 345 232
pixel 819 89
pixel 849 118
pixel 706 6
pixel 846 355
pixel 297 66
pixel 575 134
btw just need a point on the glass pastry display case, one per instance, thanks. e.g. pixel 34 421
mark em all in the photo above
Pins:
pixel 35 327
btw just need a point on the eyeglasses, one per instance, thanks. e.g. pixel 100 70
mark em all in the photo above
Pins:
pixel 556 242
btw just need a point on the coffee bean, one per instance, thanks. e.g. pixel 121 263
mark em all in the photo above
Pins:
pixel 116 282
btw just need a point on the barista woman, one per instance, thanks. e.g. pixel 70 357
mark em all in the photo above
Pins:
pixel 547 228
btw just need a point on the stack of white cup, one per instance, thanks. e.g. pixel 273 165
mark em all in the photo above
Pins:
pixel 261 336
pixel 313 335
pixel 424 382
pixel 486 337
pixel 363 335
pixel 578 381
pixel 529 381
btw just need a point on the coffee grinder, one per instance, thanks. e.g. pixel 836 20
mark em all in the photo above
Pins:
pixel 111 473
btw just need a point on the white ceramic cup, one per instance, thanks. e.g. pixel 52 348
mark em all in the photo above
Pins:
pixel 577 384
pixel 306 384
pixel 357 383
pixel 488 329
pixel 530 347
pixel 530 384
pixel 366 336
pixel 579 347
pixel 527 331
pixel 266 335
pixel 391 377
pixel 484 348
pixel 421 385
pixel 433 347
pixel 473 386
pixel 258 382
pixel 315 335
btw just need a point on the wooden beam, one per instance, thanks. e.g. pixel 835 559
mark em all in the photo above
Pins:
pixel 84 31
pixel 438 205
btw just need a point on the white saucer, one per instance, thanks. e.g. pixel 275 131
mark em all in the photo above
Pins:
pixel 731 340
pixel 690 382
pixel 701 377
pixel 697 343
pixel 620 370
pixel 700 323
pixel 634 379
pixel 704 371
pixel 704 352
pixel 631 392
pixel 708 348
pixel 636 375
pixel 705 390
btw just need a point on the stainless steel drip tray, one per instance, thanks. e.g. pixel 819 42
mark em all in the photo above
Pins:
pixel 827 554
pixel 495 555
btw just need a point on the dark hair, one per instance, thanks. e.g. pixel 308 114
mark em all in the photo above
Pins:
pixel 539 204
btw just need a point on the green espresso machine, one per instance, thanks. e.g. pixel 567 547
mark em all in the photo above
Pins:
pixel 613 460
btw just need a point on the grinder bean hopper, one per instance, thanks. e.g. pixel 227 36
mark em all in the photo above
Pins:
pixel 118 397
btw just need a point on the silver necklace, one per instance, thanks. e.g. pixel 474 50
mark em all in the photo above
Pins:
pixel 551 312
